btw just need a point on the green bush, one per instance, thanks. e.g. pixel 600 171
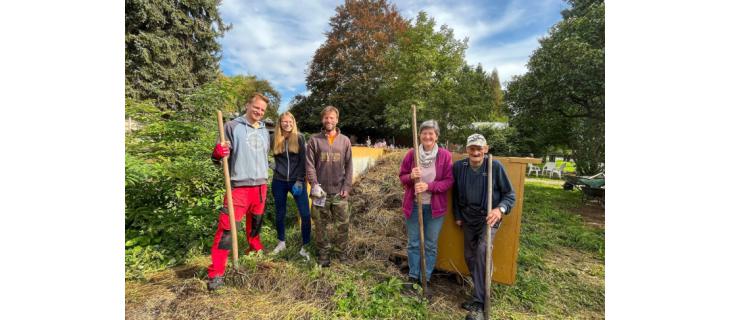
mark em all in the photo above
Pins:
pixel 171 187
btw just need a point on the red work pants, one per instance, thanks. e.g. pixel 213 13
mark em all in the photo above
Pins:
pixel 247 201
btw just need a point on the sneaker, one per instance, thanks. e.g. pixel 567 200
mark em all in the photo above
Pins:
pixel 279 247
pixel 304 254
pixel 472 306
pixel 215 283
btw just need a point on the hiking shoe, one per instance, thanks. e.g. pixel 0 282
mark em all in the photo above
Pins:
pixel 304 254
pixel 215 283
pixel 279 247
pixel 472 306
pixel 475 315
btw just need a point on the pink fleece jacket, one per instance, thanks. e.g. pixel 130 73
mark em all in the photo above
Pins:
pixel 438 188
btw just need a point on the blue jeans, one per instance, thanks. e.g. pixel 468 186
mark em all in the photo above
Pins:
pixel 431 230
pixel 280 189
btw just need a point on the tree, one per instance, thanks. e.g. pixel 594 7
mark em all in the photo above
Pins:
pixel 170 48
pixel 475 101
pixel 499 112
pixel 560 100
pixel 230 95
pixel 346 71
pixel 426 68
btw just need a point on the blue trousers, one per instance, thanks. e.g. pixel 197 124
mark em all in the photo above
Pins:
pixel 280 189
pixel 431 230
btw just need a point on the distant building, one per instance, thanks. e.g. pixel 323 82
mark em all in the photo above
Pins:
pixel 487 124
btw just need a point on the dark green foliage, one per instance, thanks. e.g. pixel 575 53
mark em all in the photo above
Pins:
pixel 500 112
pixel 170 48
pixel 171 187
pixel 501 141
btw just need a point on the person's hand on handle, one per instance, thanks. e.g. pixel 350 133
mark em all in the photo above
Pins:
pixel 421 187
pixel 344 194
pixel 222 150
pixel 459 223
pixel 416 173
pixel 494 216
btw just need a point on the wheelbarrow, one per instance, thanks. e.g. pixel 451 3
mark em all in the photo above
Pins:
pixel 592 187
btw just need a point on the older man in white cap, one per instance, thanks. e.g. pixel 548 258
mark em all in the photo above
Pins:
pixel 471 212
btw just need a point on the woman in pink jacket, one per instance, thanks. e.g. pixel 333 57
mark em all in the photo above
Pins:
pixel 436 179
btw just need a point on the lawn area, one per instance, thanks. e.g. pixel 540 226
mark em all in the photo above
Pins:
pixel 560 276
pixel 561 260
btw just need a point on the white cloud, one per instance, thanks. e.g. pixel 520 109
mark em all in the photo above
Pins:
pixel 274 40
pixel 510 59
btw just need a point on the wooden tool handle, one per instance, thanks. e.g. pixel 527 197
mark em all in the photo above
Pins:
pixel 229 195
pixel 424 282
pixel 488 266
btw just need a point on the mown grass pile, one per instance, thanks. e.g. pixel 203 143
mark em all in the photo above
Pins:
pixel 560 276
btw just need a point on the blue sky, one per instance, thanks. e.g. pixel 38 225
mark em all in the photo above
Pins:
pixel 275 40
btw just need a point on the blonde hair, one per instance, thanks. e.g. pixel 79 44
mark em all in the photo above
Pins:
pixel 279 136
pixel 258 95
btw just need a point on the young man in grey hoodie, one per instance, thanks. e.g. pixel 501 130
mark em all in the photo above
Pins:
pixel 329 171
pixel 247 148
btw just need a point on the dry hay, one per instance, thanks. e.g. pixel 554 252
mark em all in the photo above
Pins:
pixel 377 225
pixel 266 290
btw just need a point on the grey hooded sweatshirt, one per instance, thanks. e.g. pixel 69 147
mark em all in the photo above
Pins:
pixel 248 159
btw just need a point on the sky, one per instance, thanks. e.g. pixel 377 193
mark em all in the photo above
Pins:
pixel 276 40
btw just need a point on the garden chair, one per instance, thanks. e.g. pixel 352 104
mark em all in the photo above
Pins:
pixel 533 168
pixel 558 171
pixel 550 166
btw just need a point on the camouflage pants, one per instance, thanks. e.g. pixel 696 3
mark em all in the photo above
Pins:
pixel 331 224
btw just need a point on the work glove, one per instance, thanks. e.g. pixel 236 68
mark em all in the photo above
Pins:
pixel 319 197
pixel 220 151
pixel 296 190
pixel 320 202
pixel 317 191
pixel 256 223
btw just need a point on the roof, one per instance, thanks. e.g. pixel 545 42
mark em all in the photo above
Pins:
pixel 487 124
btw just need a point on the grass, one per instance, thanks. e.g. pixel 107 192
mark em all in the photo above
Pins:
pixel 560 276
pixel 561 260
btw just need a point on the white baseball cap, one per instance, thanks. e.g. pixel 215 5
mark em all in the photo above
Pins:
pixel 476 140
